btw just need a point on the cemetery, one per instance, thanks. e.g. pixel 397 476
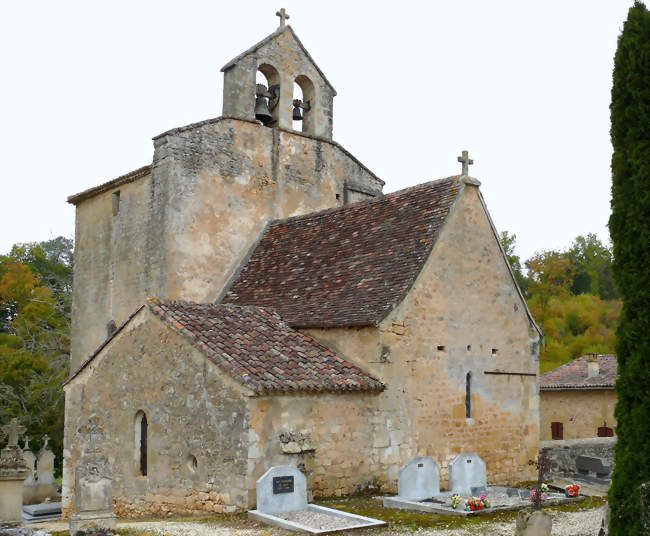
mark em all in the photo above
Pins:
pixel 469 494
pixel 282 501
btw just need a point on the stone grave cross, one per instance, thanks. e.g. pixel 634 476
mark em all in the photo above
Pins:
pixel 14 431
pixel 466 161
pixel 283 16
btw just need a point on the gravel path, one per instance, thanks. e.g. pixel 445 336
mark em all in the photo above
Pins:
pixel 582 523
pixel 319 520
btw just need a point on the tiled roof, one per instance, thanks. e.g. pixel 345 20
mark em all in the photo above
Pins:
pixel 257 348
pixel 348 266
pixel 573 375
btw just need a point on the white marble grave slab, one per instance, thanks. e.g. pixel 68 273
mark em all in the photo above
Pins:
pixel 467 471
pixel 419 479
pixel 283 489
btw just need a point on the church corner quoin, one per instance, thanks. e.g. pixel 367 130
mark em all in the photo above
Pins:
pixel 299 315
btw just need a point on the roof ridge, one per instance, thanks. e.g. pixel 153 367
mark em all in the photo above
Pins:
pixel 358 205
pixel 122 179
pixel 268 38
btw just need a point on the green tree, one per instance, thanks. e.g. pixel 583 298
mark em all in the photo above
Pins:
pixel 35 288
pixel 592 262
pixel 629 227
pixel 550 274
pixel 509 241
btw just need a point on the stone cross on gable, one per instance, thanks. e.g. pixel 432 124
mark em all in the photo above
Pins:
pixel 466 161
pixel 283 16
pixel 14 431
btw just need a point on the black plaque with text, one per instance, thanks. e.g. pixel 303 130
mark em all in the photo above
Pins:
pixel 282 484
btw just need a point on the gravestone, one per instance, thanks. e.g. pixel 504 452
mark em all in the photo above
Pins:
pixel 93 497
pixel 12 474
pixel 29 485
pixel 281 489
pixel 467 475
pixel 419 479
pixel 591 464
pixel 46 483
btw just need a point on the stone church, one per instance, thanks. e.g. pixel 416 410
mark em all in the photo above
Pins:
pixel 251 298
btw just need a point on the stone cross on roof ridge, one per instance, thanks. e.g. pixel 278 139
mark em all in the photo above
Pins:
pixel 283 16
pixel 14 431
pixel 466 161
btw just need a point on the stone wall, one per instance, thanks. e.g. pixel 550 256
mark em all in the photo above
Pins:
pixel 581 412
pixel 562 454
pixel 182 231
pixel 193 412
pixel 463 306
pixel 345 443
pixel 283 61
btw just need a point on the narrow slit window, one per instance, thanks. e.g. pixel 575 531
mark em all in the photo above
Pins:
pixel 468 396
pixel 116 203
pixel 441 348
pixel 495 352
pixel 141 431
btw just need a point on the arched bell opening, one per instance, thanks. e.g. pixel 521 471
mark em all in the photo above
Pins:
pixel 267 94
pixel 304 104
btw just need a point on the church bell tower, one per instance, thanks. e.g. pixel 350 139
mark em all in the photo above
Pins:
pixel 283 63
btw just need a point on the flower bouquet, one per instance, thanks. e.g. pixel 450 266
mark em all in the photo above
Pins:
pixel 455 501
pixel 544 487
pixel 474 504
pixel 572 490
pixel 534 498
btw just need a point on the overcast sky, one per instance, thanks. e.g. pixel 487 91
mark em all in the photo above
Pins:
pixel 524 86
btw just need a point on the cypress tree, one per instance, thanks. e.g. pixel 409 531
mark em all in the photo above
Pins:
pixel 629 227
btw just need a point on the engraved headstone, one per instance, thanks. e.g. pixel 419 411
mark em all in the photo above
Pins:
pixel 467 475
pixel 281 489
pixel 30 484
pixel 46 483
pixel 93 485
pixel 419 479
pixel 13 472
pixel 93 497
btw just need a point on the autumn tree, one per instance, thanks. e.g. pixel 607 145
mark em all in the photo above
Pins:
pixel 629 227
pixel 550 273
pixel 508 242
pixel 35 290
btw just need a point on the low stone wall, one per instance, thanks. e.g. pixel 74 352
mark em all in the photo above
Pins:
pixel 562 454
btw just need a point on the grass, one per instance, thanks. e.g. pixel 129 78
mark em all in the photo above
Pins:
pixel 407 519
pixel 397 520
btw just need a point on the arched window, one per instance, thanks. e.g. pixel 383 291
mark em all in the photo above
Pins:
pixel 267 94
pixel 468 395
pixel 303 91
pixel 141 442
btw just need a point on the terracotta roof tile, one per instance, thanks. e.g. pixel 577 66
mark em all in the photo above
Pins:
pixel 573 375
pixel 260 350
pixel 348 266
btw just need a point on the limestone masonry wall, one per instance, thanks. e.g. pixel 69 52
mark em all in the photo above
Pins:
pixel 342 442
pixel 581 412
pixel 182 231
pixel 562 454
pixel 463 314
pixel 191 409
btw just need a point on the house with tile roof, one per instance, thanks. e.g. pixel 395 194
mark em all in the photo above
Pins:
pixel 577 400
pixel 252 298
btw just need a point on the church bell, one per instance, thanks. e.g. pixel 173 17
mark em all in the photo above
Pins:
pixel 265 102
pixel 297 113
pixel 298 107
pixel 262 112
